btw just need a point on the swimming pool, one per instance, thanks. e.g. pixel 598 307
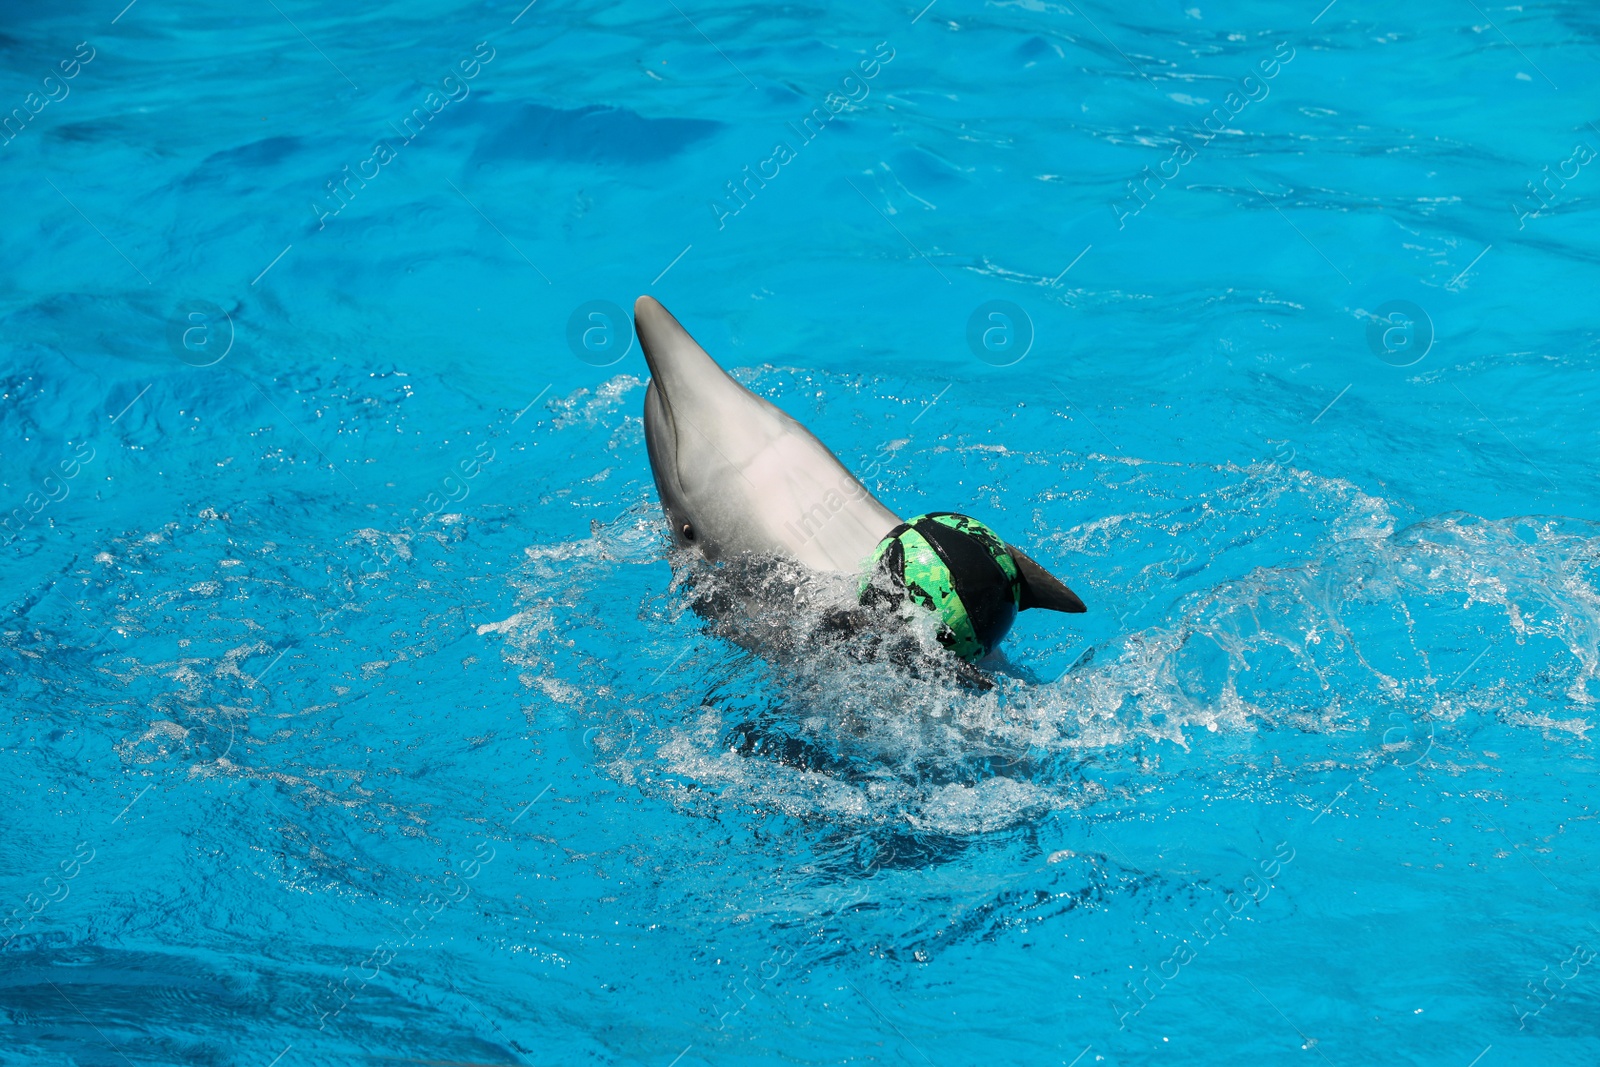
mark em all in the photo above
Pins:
pixel 355 716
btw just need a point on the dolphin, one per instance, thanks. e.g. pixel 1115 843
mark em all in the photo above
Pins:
pixel 738 477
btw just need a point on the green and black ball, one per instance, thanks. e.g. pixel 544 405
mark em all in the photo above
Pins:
pixel 956 567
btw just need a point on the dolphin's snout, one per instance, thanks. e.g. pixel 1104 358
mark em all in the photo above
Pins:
pixel 647 327
pixel 689 381
pixel 665 342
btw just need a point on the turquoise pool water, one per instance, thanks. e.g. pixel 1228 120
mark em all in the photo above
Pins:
pixel 353 716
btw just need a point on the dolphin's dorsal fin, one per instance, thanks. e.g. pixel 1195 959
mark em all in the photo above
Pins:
pixel 1041 589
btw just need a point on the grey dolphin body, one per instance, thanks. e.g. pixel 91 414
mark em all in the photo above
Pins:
pixel 736 475
pixel 739 477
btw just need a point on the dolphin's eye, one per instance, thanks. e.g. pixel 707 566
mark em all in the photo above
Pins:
pixel 688 532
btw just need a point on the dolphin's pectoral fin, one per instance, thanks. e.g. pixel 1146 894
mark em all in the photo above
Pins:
pixel 1041 589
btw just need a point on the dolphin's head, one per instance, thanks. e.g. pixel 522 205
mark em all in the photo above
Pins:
pixel 738 476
